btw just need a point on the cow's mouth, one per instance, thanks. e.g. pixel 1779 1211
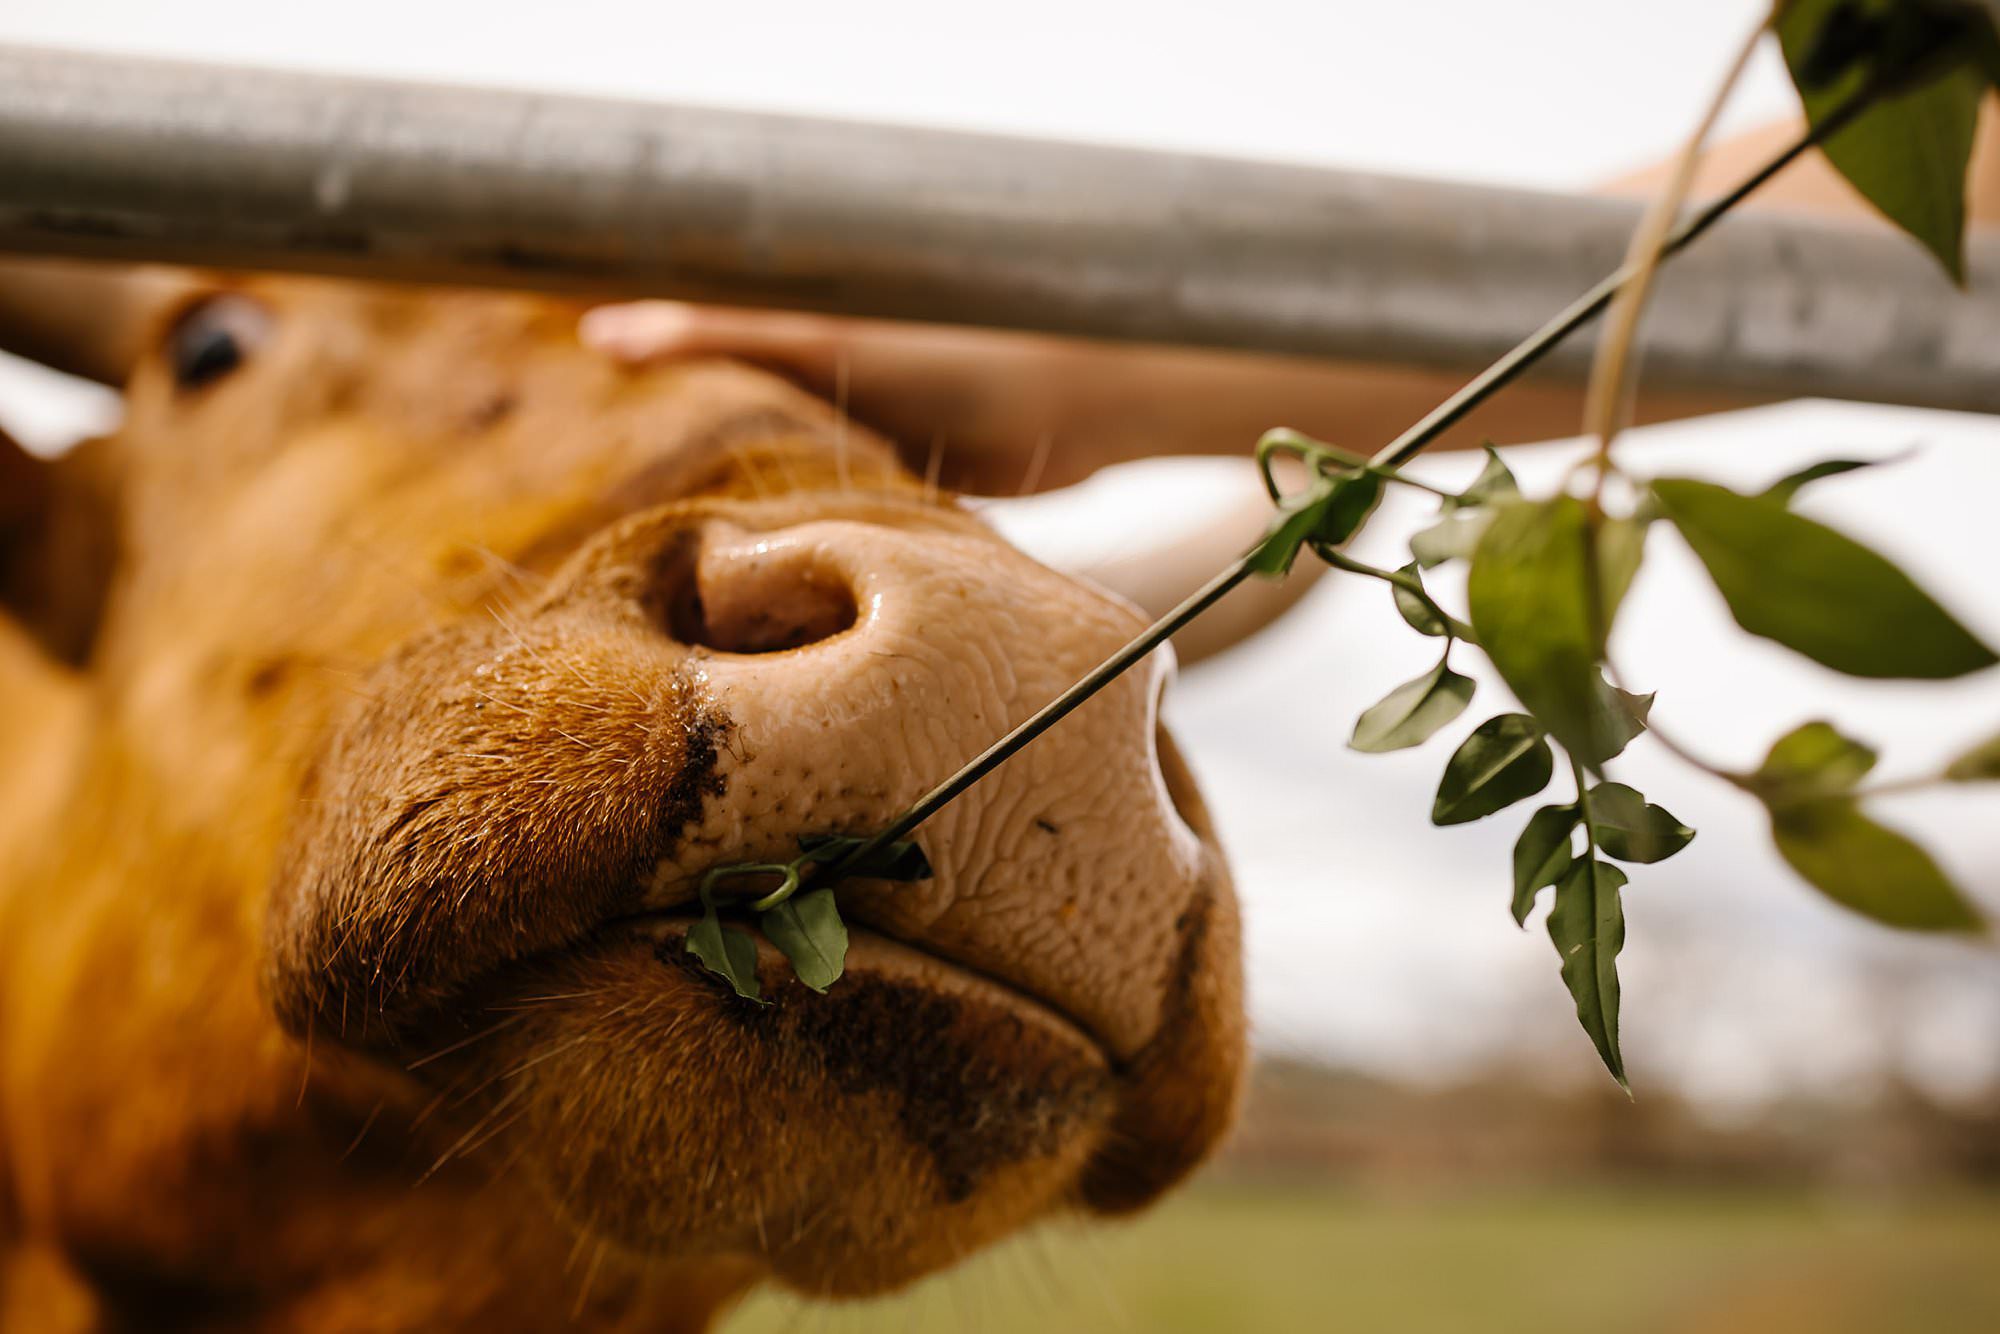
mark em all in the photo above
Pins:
pixel 873 957
pixel 875 952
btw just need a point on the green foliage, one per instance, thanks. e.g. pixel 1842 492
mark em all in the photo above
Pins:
pixel 727 951
pixel 1495 484
pixel 1412 712
pixel 1587 925
pixel 1352 498
pixel 1462 519
pixel 1547 576
pixel 1984 39
pixel 1415 610
pixel 1505 760
pixel 1632 829
pixel 1980 764
pixel 1621 545
pixel 1546 581
pixel 804 926
pixel 1867 867
pixel 1616 718
pixel 1294 524
pixel 1815 591
pixel 1341 494
pixel 1541 855
pixel 1454 536
pixel 1534 610
pixel 1808 783
pixel 1908 153
pixel 1788 486
pixel 1812 760
pixel 901 860
pixel 807 929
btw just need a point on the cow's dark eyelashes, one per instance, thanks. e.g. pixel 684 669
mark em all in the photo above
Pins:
pixel 215 337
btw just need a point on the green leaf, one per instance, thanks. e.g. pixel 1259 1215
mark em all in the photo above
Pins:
pixel 1621 545
pixel 1868 867
pixel 900 860
pixel 1632 829
pixel 1454 536
pixel 1541 855
pixel 1354 498
pixel 726 951
pixel 1616 717
pixel 1813 760
pixel 1464 517
pixel 1788 486
pixel 1285 440
pixel 807 929
pixel 1421 618
pixel 1529 593
pixel 1977 765
pixel 1493 485
pixel 1907 154
pixel 1588 928
pixel 1986 39
pixel 1815 591
pixel 1412 712
pixel 1294 523
pixel 1503 761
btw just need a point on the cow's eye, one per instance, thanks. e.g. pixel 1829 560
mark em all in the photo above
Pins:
pixel 216 337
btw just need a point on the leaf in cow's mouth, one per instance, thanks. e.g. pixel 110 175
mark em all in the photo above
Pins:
pixel 727 951
pixel 894 861
pixel 806 927
pixel 808 930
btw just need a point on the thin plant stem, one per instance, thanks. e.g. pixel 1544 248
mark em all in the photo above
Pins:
pixel 1053 712
pixel 1392 455
pixel 1682 752
pixel 1454 627
pixel 1404 479
pixel 1586 817
pixel 1610 370
pixel 1899 787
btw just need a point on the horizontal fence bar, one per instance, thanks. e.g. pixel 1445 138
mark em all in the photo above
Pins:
pixel 142 160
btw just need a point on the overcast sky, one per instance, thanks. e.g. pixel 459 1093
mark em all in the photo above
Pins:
pixel 1374 939
pixel 1556 93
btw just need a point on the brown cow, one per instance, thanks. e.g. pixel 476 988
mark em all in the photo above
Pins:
pixel 372 702
pixel 369 705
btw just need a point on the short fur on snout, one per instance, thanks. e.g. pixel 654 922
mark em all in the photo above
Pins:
pixel 348 851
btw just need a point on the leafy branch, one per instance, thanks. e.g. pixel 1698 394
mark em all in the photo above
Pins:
pixel 805 926
pixel 1891 89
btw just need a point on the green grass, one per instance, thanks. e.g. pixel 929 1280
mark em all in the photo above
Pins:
pixel 1636 1260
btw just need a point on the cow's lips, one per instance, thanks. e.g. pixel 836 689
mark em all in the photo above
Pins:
pixel 872 955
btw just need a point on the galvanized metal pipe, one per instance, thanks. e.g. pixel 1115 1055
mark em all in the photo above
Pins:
pixel 128 159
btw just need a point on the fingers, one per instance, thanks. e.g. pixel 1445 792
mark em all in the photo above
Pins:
pixel 636 332
pixel 994 400
pixel 87 319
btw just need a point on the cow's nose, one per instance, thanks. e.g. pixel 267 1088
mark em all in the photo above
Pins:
pixel 1069 872
pixel 742 592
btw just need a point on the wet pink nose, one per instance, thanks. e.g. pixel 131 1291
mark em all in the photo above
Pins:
pixel 745 593
pixel 859 664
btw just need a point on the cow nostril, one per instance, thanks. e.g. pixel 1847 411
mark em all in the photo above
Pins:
pixel 758 601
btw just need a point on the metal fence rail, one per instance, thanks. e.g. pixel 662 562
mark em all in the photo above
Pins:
pixel 135 159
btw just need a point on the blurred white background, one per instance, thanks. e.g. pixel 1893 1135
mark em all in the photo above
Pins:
pixel 1375 941
pixel 1585 88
